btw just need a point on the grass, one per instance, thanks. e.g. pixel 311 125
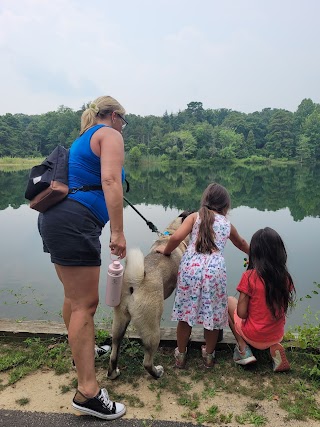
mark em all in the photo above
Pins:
pixel 20 359
pixel 295 392
pixel 10 164
pixel 23 401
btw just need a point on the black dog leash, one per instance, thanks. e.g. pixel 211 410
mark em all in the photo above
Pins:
pixel 149 223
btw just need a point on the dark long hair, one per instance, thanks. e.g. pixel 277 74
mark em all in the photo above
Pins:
pixel 268 257
pixel 215 198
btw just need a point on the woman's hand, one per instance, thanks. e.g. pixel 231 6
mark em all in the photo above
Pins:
pixel 118 244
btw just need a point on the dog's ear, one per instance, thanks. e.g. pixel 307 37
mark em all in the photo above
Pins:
pixel 184 214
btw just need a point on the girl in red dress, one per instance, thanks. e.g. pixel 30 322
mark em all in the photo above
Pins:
pixel 266 292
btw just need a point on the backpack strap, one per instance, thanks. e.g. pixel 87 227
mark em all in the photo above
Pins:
pixel 93 187
pixel 85 188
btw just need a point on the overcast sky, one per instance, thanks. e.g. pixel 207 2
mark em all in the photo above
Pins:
pixel 159 55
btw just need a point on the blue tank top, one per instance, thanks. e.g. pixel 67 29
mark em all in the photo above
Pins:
pixel 85 169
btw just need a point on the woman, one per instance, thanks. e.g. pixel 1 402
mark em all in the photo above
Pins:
pixel 71 233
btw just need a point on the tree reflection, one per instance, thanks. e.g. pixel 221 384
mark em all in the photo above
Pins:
pixel 181 186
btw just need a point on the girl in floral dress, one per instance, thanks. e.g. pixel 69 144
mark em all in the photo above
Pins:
pixel 201 296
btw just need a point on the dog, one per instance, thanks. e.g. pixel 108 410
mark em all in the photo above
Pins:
pixel 147 282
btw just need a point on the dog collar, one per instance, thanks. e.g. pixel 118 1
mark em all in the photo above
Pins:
pixel 166 233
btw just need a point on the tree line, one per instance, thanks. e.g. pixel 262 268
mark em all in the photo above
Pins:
pixel 194 133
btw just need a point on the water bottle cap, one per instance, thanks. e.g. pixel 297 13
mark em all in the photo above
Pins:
pixel 116 264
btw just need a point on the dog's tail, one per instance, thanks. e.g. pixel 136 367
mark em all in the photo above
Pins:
pixel 135 266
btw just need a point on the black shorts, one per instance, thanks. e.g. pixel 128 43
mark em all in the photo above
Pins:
pixel 71 234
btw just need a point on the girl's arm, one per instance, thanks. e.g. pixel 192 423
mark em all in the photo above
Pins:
pixel 242 307
pixel 238 241
pixel 179 235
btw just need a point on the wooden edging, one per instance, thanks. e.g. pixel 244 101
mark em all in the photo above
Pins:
pixel 40 328
pixel 19 330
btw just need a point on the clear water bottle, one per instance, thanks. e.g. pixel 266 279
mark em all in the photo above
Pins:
pixel 114 284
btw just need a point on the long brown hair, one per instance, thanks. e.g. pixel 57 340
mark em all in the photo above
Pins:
pixel 215 198
pixel 268 257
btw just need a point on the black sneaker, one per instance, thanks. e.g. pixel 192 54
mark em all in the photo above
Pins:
pixel 99 352
pixel 99 406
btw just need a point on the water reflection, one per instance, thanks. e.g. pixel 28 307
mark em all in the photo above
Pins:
pixel 286 199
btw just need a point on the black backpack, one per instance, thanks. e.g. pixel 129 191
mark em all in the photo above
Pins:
pixel 48 182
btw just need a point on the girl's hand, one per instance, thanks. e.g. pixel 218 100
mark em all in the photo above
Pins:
pixel 160 250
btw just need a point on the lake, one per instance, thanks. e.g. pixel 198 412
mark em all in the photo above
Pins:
pixel 285 198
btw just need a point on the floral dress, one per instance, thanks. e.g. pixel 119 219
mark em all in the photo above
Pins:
pixel 201 296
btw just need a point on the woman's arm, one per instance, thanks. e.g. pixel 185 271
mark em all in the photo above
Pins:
pixel 242 307
pixel 179 235
pixel 112 158
pixel 238 241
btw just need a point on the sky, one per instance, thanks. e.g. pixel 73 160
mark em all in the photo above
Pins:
pixel 156 56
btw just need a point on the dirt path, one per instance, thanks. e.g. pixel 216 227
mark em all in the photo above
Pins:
pixel 43 389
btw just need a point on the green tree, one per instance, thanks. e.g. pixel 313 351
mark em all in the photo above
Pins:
pixel 238 122
pixel 135 154
pixel 259 122
pixel 251 143
pixel 304 151
pixel 281 139
pixel 305 108
pixel 10 135
pixel 195 110
pixel 183 140
pixel 225 138
pixel 311 129
pixel 203 133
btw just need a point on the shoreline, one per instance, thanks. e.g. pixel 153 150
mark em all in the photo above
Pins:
pixel 43 328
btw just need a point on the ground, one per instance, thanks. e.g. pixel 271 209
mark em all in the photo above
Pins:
pixel 196 395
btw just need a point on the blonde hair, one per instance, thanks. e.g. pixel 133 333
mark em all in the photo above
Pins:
pixel 99 109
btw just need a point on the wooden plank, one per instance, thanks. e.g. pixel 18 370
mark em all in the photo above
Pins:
pixel 45 329
pixel 42 328
pixel 32 327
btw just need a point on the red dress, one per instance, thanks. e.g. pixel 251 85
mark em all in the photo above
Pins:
pixel 260 325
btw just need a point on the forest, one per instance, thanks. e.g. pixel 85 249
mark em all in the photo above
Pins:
pixel 192 134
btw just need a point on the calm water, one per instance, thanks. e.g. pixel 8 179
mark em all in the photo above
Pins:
pixel 286 199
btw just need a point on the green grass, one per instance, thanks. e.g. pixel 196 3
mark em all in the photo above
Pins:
pixel 10 164
pixel 23 401
pixel 20 359
pixel 295 391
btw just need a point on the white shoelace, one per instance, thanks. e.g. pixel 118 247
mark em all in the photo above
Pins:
pixel 104 399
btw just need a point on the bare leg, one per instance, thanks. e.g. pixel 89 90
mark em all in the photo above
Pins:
pixel 211 338
pixel 66 308
pixel 81 300
pixel 232 305
pixel 66 312
pixel 183 335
